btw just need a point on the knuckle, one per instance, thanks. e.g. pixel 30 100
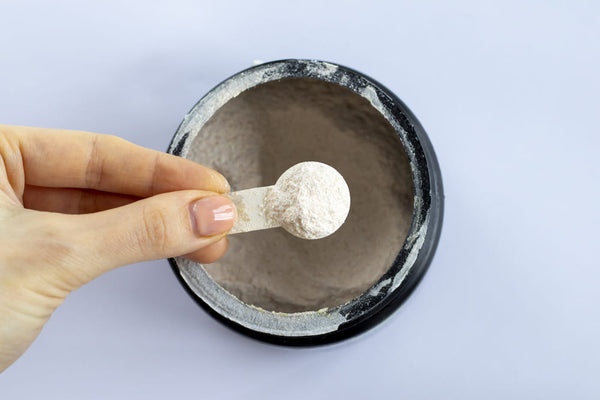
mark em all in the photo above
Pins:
pixel 93 172
pixel 155 230
pixel 111 140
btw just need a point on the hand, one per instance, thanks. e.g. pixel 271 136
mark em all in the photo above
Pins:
pixel 74 205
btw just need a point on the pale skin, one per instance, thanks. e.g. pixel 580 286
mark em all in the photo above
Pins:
pixel 74 205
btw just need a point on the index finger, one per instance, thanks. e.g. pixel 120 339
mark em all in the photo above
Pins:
pixel 76 159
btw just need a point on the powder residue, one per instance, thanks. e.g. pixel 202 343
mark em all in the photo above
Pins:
pixel 310 200
pixel 261 133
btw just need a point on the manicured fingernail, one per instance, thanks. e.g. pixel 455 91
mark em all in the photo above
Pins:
pixel 212 215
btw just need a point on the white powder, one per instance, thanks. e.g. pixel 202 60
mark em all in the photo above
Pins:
pixel 310 200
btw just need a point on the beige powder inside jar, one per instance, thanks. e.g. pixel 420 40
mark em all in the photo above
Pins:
pixel 255 137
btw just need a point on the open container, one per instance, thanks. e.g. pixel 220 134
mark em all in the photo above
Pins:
pixel 286 290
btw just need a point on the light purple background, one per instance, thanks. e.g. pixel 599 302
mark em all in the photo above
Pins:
pixel 509 94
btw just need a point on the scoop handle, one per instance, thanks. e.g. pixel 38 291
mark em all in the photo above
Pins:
pixel 250 210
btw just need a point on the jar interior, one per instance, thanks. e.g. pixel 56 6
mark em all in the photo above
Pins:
pixel 265 130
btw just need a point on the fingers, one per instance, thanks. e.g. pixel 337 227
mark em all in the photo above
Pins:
pixel 63 158
pixel 72 201
pixel 165 225
pixel 210 253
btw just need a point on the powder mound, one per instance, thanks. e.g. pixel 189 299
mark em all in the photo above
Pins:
pixel 310 200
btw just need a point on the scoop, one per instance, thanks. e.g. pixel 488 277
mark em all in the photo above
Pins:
pixel 310 200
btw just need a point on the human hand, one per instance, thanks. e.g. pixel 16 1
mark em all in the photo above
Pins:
pixel 74 205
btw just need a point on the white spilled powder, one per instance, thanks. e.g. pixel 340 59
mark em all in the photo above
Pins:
pixel 310 200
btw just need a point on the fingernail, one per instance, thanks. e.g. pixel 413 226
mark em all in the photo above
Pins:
pixel 212 215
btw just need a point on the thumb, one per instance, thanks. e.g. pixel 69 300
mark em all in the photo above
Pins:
pixel 165 225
